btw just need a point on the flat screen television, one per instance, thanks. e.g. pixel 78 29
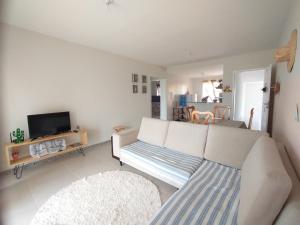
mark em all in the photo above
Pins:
pixel 40 125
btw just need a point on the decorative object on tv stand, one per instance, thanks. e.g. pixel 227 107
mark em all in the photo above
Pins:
pixel 18 135
pixel 119 128
pixel 288 53
pixel 15 155
pixel 135 78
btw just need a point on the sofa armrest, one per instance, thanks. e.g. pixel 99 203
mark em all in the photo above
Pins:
pixel 123 138
pixel 265 184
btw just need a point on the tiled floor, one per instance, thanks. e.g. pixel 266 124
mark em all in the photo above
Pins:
pixel 20 199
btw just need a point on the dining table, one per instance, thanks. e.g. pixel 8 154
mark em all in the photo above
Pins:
pixel 230 123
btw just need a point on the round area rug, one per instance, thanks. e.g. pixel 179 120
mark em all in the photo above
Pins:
pixel 110 198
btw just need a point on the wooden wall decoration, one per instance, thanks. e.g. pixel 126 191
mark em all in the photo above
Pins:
pixel 288 53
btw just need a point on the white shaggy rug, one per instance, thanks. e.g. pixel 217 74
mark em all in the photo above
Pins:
pixel 110 198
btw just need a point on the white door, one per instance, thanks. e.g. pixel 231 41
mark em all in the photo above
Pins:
pixel 266 98
pixel 253 98
pixel 252 90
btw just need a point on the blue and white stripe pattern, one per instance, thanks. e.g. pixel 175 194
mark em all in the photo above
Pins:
pixel 173 162
pixel 210 197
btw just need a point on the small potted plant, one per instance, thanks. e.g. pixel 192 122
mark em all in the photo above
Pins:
pixel 15 156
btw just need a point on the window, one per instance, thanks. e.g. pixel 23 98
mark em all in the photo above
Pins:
pixel 212 91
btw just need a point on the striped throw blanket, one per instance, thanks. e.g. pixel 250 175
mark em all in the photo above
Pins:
pixel 210 197
pixel 173 162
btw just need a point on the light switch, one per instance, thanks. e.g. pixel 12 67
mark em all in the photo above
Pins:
pixel 297 113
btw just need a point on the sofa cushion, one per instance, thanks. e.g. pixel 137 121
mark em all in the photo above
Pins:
pixel 187 137
pixel 209 197
pixel 173 162
pixel 153 131
pixel 229 146
pixel 265 184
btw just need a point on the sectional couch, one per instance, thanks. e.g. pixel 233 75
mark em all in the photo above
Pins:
pixel 225 175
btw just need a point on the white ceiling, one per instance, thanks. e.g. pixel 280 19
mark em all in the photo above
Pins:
pixel 161 32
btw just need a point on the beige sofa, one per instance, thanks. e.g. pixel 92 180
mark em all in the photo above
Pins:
pixel 254 156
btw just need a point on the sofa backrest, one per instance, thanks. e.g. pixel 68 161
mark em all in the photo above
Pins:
pixel 153 131
pixel 290 213
pixel 265 184
pixel 229 146
pixel 188 138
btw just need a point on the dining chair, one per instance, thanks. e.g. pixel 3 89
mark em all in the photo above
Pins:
pixel 189 110
pixel 220 111
pixel 250 118
pixel 203 117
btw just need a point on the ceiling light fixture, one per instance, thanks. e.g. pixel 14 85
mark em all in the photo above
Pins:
pixel 109 2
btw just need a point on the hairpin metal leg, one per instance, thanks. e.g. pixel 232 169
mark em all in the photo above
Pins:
pixel 18 171
pixel 81 150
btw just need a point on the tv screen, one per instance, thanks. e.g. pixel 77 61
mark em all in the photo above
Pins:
pixel 48 124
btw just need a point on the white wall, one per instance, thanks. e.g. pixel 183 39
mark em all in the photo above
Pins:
pixel 286 129
pixel 179 85
pixel 41 74
pixel 254 60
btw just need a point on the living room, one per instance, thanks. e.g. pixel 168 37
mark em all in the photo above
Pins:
pixel 91 64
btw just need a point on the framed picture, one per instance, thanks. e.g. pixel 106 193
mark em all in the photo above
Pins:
pixel 144 89
pixel 135 78
pixel 134 89
pixel 144 79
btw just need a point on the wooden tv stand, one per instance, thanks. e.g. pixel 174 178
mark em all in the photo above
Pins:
pixel 18 164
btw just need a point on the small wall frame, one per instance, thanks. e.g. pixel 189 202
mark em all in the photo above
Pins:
pixel 144 79
pixel 135 78
pixel 144 89
pixel 135 89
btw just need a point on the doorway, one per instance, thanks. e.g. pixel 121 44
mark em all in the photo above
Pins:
pixel 252 91
pixel 159 98
pixel 155 99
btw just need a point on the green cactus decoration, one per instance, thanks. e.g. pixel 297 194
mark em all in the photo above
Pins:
pixel 19 136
